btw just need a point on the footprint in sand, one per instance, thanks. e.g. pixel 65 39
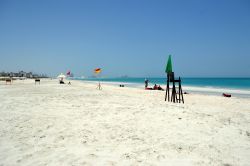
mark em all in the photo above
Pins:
pixel 84 163
pixel 60 138
pixel 43 136
pixel 92 155
pixel 227 165
pixel 19 161
pixel 160 157
pixel 111 163
pixel 27 156
pixel 49 126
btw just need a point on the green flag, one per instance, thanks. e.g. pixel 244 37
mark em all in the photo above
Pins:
pixel 169 65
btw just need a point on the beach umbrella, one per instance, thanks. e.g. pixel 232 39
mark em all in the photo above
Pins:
pixel 61 76
pixel 169 65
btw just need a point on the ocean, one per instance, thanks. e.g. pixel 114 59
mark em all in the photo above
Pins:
pixel 215 86
pixel 224 83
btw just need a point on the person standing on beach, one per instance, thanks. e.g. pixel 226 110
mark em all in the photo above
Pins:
pixel 146 83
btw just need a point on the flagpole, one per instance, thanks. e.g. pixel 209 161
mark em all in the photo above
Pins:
pixel 98 72
pixel 99 86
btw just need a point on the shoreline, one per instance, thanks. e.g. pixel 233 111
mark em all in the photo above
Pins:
pixel 242 93
pixel 214 91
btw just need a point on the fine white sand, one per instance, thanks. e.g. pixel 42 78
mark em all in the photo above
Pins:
pixel 52 124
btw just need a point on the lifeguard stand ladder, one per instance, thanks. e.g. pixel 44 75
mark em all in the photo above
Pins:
pixel 176 96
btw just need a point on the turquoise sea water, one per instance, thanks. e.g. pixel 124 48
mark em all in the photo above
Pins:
pixel 227 83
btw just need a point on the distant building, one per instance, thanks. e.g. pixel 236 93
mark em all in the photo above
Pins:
pixel 22 74
pixel 29 75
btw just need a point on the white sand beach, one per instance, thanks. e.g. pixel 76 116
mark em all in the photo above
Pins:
pixel 52 124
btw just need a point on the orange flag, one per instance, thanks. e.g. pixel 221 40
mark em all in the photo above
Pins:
pixel 97 71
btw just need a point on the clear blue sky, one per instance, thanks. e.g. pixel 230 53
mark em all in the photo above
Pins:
pixel 126 37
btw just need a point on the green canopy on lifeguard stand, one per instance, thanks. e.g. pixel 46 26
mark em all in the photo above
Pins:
pixel 169 65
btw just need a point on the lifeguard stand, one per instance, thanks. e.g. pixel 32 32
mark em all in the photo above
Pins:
pixel 176 96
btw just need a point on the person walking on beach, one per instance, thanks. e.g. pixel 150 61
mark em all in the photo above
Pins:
pixel 146 82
